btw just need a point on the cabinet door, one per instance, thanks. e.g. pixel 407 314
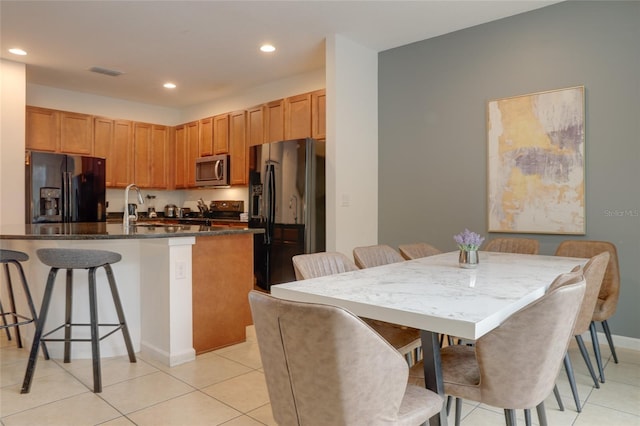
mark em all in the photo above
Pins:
pixel 297 118
pixel 158 155
pixel 319 114
pixel 103 129
pixel 274 121
pixel 180 155
pixel 76 133
pixel 206 137
pixel 239 150
pixel 142 149
pixel 192 152
pixel 255 125
pixel 42 129
pixel 122 153
pixel 221 134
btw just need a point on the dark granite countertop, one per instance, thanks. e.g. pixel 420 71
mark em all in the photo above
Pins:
pixel 111 231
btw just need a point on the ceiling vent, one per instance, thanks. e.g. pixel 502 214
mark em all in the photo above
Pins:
pixel 106 71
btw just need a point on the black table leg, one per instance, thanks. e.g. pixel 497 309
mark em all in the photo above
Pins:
pixel 433 372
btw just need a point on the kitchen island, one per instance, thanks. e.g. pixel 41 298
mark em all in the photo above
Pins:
pixel 183 287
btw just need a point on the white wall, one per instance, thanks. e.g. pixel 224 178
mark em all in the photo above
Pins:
pixel 66 100
pixel 12 132
pixel 352 145
pixel 301 83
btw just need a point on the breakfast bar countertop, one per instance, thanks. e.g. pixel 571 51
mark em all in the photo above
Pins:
pixel 111 231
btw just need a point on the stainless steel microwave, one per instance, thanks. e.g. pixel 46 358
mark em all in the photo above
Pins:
pixel 212 170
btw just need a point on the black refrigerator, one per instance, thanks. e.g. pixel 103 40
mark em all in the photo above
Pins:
pixel 287 200
pixel 64 188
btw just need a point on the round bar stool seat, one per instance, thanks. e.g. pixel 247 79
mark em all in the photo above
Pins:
pixel 71 259
pixel 14 257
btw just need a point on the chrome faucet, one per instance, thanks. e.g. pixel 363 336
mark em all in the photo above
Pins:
pixel 126 217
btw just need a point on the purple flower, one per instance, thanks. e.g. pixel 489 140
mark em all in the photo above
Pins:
pixel 468 240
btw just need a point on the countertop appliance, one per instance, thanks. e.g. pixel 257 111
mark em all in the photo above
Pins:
pixel 64 188
pixel 287 200
pixel 170 210
pixel 212 170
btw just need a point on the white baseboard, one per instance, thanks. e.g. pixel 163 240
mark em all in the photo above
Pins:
pixel 618 341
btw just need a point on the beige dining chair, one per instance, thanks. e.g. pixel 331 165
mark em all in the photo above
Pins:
pixel 593 272
pixel 609 291
pixel 513 245
pixel 417 250
pixel 376 255
pixel 324 366
pixel 515 365
pixel 313 265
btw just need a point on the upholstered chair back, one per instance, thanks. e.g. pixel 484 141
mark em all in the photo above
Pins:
pixel 513 245
pixel 417 250
pixel 520 359
pixel 316 265
pixel 370 256
pixel 324 366
pixel 610 288
pixel 593 273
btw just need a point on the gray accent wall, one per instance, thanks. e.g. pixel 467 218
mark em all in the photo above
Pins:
pixel 432 126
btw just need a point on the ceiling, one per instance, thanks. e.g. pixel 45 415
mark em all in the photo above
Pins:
pixel 210 48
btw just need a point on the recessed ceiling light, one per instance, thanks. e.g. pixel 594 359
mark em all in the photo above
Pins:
pixel 267 48
pixel 16 51
pixel 169 86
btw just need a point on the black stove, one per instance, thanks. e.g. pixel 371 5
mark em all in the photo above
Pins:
pixel 225 209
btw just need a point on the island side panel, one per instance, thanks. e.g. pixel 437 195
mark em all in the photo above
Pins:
pixel 222 268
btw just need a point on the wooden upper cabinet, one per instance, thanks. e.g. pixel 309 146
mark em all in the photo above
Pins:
pixel 76 133
pixel 274 121
pixel 103 129
pixel 122 153
pixel 205 145
pixel 319 114
pixel 180 157
pixel 297 117
pixel 255 126
pixel 42 130
pixel 142 158
pixel 158 155
pixel 221 134
pixel 238 150
pixel 191 137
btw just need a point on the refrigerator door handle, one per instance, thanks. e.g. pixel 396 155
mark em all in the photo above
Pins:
pixel 270 211
pixel 66 182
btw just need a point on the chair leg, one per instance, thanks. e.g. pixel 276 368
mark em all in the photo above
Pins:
pixel 2 313
pixel 607 332
pixel 542 415
pixel 95 338
pixel 556 393
pixel 527 417
pixel 510 417
pixel 572 381
pixel 120 312
pixel 67 316
pixel 449 399
pixel 458 411
pixel 44 310
pixel 12 306
pixel 587 360
pixel 32 308
pixel 596 350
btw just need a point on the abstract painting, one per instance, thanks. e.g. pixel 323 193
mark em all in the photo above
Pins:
pixel 536 163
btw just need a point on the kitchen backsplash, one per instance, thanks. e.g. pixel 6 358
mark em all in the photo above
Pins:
pixel 181 198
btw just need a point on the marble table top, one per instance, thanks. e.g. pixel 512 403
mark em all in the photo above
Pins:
pixel 434 293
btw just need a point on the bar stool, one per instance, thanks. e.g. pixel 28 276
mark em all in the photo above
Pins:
pixel 71 259
pixel 15 257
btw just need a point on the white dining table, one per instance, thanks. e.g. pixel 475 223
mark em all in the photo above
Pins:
pixel 437 296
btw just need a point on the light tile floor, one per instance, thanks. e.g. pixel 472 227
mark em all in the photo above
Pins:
pixel 227 387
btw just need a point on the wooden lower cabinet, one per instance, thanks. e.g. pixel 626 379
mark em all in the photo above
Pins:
pixel 222 274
